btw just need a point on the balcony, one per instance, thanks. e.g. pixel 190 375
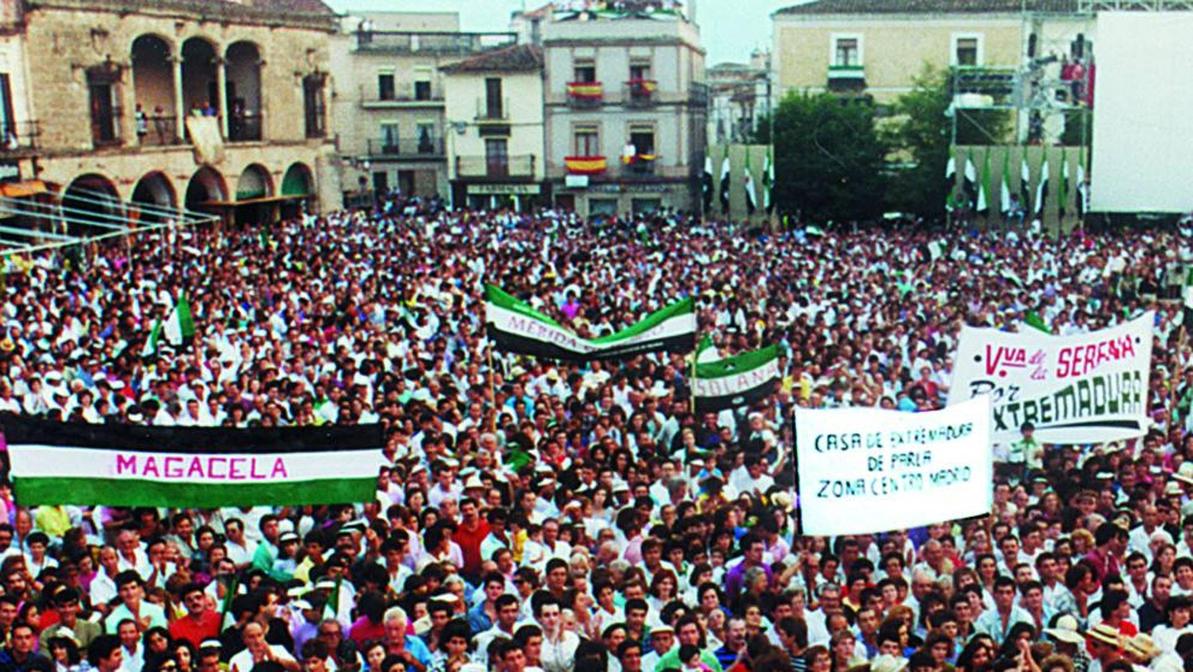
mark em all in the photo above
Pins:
pixel 585 165
pixel 427 149
pixel 639 165
pixel 19 137
pixel 440 43
pixel 846 78
pixel 511 167
pixel 245 127
pixel 585 94
pixel 846 72
pixel 640 93
pixel 495 111
pixel 160 130
pixel 372 99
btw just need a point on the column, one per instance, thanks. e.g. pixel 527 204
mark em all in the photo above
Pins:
pixel 221 86
pixel 179 108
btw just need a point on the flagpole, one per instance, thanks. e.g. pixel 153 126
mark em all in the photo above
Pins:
pixel 692 380
pixel 492 391
pixel 1180 367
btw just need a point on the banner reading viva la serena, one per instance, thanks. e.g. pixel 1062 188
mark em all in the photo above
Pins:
pixel 1085 388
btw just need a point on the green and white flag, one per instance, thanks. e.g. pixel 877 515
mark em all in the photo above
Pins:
pixel 1042 189
pixel 751 195
pixel 191 467
pixel 706 352
pixel 1004 192
pixel 149 351
pixel 984 187
pixel 517 327
pixel 950 180
pixel 735 381
pixel 177 328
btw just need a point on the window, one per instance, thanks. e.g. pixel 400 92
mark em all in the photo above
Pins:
pixel 587 141
pixel 496 158
pixel 105 113
pixel 642 138
pixel 493 103
pixel 584 71
pixel 847 52
pixel 8 124
pixel 313 105
pixel 639 70
pixel 389 138
pixel 967 50
pixel 385 86
pixel 422 84
pixel 426 138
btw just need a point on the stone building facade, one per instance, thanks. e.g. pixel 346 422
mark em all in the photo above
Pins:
pixel 214 106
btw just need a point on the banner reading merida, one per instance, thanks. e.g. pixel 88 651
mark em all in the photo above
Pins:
pixel 517 327
pixel 864 470
pixel 200 467
pixel 1085 388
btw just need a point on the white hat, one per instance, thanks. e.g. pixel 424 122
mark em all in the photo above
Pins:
pixel 1065 630
pixel 473 481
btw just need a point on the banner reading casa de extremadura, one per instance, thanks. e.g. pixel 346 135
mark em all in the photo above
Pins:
pixel 864 470
pixel 1086 388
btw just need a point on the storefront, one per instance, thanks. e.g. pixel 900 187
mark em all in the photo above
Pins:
pixel 616 198
pixel 522 197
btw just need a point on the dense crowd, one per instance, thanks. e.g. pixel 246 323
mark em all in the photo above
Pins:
pixel 556 517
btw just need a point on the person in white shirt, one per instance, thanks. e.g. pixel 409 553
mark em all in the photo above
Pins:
pixel 257 650
pixel 240 548
pixel 103 586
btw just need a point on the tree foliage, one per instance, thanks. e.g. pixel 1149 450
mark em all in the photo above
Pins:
pixel 922 138
pixel 829 158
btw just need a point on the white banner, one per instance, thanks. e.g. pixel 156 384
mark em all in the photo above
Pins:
pixel 865 470
pixel 1087 388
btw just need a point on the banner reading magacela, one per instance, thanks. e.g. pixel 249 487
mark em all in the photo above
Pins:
pixel 865 470
pixel 1086 388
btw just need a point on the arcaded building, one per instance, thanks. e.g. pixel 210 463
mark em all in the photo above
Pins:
pixel 215 106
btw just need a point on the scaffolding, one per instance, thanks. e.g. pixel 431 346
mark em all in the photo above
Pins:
pixel 1091 6
pixel 82 217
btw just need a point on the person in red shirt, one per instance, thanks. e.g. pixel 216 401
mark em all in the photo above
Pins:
pixel 201 621
pixel 472 531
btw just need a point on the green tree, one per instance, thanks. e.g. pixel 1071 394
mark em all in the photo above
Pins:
pixel 922 136
pixel 921 139
pixel 828 158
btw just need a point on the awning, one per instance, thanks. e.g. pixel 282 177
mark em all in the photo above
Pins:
pixel 254 201
pixel 22 189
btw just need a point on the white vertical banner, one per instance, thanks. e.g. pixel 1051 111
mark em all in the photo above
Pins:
pixel 864 470
pixel 1084 388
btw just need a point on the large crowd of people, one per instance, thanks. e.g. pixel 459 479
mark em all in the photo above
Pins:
pixel 538 515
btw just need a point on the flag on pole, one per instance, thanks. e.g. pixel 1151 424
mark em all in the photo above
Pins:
pixel 1024 184
pixel 1033 320
pixel 725 182
pixel 1042 188
pixel 179 328
pixel 751 196
pixel 149 351
pixel 517 327
pixel 984 186
pixel 706 352
pixel 950 181
pixel 735 381
pixel 706 183
pixel 768 181
pixel 1082 187
pixel 1004 191
pixel 1063 201
pixel 969 182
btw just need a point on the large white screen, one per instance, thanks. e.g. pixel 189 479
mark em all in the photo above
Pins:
pixel 1143 113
